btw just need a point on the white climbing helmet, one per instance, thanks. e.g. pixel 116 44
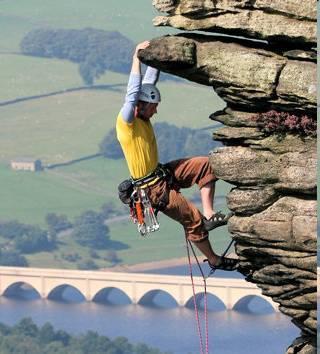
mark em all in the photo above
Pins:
pixel 149 93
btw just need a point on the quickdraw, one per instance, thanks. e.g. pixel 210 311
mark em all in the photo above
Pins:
pixel 142 213
pixel 133 193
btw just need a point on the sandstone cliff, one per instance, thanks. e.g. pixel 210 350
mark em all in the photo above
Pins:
pixel 266 62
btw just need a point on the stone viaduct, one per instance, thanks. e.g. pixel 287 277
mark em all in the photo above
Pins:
pixel 139 287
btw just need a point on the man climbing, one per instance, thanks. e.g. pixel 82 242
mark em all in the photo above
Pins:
pixel 137 139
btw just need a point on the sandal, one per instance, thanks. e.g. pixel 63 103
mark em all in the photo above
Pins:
pixel 228 264
pixel 216 220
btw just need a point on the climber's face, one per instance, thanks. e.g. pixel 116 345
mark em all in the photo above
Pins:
pixel 145 110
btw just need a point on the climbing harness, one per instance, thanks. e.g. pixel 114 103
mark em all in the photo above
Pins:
pixel 212 271
pixel 133 192
pixel 160 172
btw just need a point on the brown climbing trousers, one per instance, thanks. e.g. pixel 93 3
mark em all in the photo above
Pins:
pixel 186 173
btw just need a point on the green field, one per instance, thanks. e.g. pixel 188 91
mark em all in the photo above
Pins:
pixel 70 125
pixel 70 190
pixel 23 76
pixel 132 18
pixel 88 185
pixel 167 243
pixel 29 197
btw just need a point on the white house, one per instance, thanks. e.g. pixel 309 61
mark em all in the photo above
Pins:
pixel 26 164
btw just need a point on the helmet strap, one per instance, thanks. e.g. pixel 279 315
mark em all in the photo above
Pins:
pixel 140 111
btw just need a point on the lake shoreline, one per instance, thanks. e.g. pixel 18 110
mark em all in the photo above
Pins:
pixel 147 266
pixel 155 265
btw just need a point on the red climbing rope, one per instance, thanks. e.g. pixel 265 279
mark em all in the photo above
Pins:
pixel 205 296
pixel 195 302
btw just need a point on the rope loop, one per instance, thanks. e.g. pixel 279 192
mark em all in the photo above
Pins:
pixel 189 245
pixel 195 302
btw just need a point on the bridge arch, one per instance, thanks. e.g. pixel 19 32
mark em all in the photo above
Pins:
pixel 126 288
pixel 263 305
pixel 58 291
pixel 16 289
pixel 106 295
pixel 214 302
pixel 33 283
pixel 157 297
pixel 143 290
pixel 62 284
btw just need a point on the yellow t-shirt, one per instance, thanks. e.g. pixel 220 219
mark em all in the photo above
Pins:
pixel 139 146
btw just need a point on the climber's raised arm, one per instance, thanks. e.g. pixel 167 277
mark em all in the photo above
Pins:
pixel 134 85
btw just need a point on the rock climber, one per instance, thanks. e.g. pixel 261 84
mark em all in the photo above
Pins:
pixel 137 139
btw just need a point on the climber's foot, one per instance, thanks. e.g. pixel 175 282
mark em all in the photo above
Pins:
pixel 224 263
pixel 216 220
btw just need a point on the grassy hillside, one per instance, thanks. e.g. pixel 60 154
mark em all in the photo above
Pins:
pixel 29 197
pixel 70 190
pixel 23 76
pixel 132 18
pixel 70 125
pixel 167 243
pixel 87 185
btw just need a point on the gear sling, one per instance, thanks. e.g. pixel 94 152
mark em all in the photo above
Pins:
pixel 133 192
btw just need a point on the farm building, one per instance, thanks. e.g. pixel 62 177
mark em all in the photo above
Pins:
pixel 26 164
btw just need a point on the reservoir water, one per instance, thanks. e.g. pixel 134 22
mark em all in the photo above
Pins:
pixel 255 329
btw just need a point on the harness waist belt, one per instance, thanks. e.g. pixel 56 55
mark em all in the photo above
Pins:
pixel 158 173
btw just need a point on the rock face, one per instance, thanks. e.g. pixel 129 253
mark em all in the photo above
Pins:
pixel 246 77
pixel 262 19
pixel 271 67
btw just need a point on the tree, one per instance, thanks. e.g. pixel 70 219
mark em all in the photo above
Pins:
pixel 26 327
pixel 108 210
pixel 12 258
pixel 63 336
pixel 26 238
pixel 11 229
pixel 91 342
pixel 86 73
pixel 46 333
pixel 90 231
pixel 19 344
pixel 4 329
pixel 171 141
pixel 87 265
pixel 199 142
pixel 57 348
pixel 95 50
pixel 122 345
pixel 26 337
pixel 112 257
pixel 110 147
pixel 57 223
pixel 33 240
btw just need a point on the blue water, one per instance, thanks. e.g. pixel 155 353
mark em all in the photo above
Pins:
pixel 165 326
